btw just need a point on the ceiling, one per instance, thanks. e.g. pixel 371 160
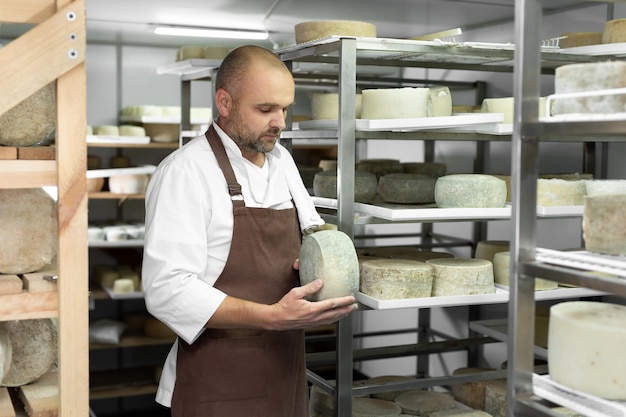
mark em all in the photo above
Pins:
pixel 132 21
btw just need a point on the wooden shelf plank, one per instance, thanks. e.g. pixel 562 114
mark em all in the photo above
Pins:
pixel 26 11
pixel 27 174
pixel 28 306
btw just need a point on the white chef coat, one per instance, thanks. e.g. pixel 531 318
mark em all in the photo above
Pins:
pixel 189 226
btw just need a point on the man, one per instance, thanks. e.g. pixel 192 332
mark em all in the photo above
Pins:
pixel 224 219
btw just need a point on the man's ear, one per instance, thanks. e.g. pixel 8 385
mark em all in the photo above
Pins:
pixel 223 101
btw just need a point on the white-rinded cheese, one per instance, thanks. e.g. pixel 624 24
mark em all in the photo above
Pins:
pixel 604 223
pixel 216 52
pixel 95 233
pixel 586 347
pixel 462 276
pixel 441 100
pixel 380 167
pixel 329 255
pixel 405 188
pixel 486 249
pixel 434 169
pixel 403 252
pixel 190 52
pixel 556 192
pixel 32 120
pixel 6 352
pixel 424 403
pixel 505 105
pixel 130 130
pixel 470 190
pixel 312 30
pixel 574 39
pixel 389 279
pixel 326 106
pixel 365 184
pixel 129 184
pixel 386 380
pixel 28 236
pixel 106 130
pixel 593 76
pixel 614 31
pixel 472 394
pixel 396 103
pixel 460 412
pixel 495 398
pixel 593 187
pixel 501 261
pixel 123 286
pixel 373 407
pixel 34 350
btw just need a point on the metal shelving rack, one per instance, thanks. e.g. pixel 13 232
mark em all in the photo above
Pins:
pixel 527 260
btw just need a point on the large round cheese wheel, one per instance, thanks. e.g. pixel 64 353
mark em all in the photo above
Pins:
pixel 389 279
pixel 329 255
pixel 614 31
pixel 308 174
pixel 35 347
pixel 501 274
pixel 28 236
pixel 130 130
pixel 310 31
pixel 462 276
pixel 424 403
pixel 434 169
pixel 586 342
pixel 380 167
pixel 386 380
pixel 505 106
pixel 460 412
pixel 486 249
pixel 396 103
pixel 326 106
pixel 6 352
pixel 322 403
pixel 574 39
pixel 365 185
pixel 190 52
pixel 593 187
pixel 593 76
pixel 216 52
pixel 470 190
pixel 129 184
pixel 557 192
pixel 604 224
pixel 106 130
pixel 373 407
pixel 441 100
pixel 404 188
pixel 472 393
pixel 31 121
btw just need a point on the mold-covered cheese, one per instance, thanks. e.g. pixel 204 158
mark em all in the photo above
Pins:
pixel 558 192
pixel 380 167
pixel 396 103
pixel 388 279
pixel 495 398
pixel 501 262
pixel 434 169
pixel 365 185
pixel 604 223
pixel 614 31
pixel 462 276
pixel 593 187
pixel 472 393
pixel 331 256
pixel 486 249
pixel 373 407
pixel 470 190
pixel 407 188
pixel 574 39
pixel 424 403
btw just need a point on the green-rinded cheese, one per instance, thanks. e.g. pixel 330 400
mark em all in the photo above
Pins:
pixel 373 407
pixel 380 167
pixel 365 184
pixel 389 279
pixel 604 224
pixel 405 188
pixel 434 169
pixel 424 403
pixel 470 191
pixel 462 276
pixel 331 256
pixel 501 261
pixel 460 412
pixel 557 192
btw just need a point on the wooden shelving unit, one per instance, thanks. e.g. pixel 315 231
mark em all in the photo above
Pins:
pixel 54 50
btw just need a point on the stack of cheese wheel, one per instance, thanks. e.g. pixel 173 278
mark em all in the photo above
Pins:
pixel 380 167
pixel 389 279
pixel 396 103
pixel 557 192
pixel 462 276
pixel 486 249
pixel 31 121
pixel 325 106
pixel 331 256
pixel 28 236
pixel 604 224
pixel 405 188
pixel 574 39
pixel 574 78
pixel 470 191
pixel 365 185
pixel 614 31
pixel 472 393
pixel 501 262
pixel 403 252
pixel 594 363
pixel 593 187
pixel 434 169
pixel 313 30
pixel 387 380
pixel 424 403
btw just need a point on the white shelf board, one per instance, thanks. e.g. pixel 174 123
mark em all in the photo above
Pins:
pixel 130 243
pixel 161 120
pixel 142 140
pixel 618 48
pixel 500 296
pixel 610 264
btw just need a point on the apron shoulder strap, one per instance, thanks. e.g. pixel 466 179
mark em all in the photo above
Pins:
pixel 234 188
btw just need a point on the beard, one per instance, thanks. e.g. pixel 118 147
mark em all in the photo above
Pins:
pixel 249 141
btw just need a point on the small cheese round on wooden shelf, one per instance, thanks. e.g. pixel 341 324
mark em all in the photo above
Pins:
pixel 404 188
pixel 318 29
pixel 501 262
pixel 331 256
pixel 424 403
pixel 470 191
pixel 586 342
pixel 396 103
pixel 389 279
pixel 365 185
pixel 556 192
pixel 604 225
pixel 462 276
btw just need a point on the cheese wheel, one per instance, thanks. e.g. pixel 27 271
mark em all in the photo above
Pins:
pixel 32 120
pixel 34 346
pixel 130 130
pixel 373 407
pixel 507 180
pixel 495 398
pixel 380 167
pixel 129 184
pixel 106 130
pixel 463 412
pixel 403 252
pixel 594 76
pixel 6 353
pixel 472 394
pixel 326 106
pixel 604 224
pixel 407 188
pixel 386 380
pixel 556 192
pixel 322 403
pixel 312 30
pixel 389 279
pixel 434 169
pixel 95 233
pixel 570 176
pixel 123 286
pixel 470 190
pixel 424 403
pixel 190 52
pixel 462 276
pixel 329 255
pixel 94 184
pixel 215 52
pixel 396 103
pixel 574 39
pixel 505 105
pixel 28 236
pixel 501 262
pixel 593 187
pixel 328 164
pixel 585 347
pixel 365 185
pixel 486 249
pixel 614 31
pixel 441 100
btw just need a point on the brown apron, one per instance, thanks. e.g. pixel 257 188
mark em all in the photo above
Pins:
pixel 248 372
